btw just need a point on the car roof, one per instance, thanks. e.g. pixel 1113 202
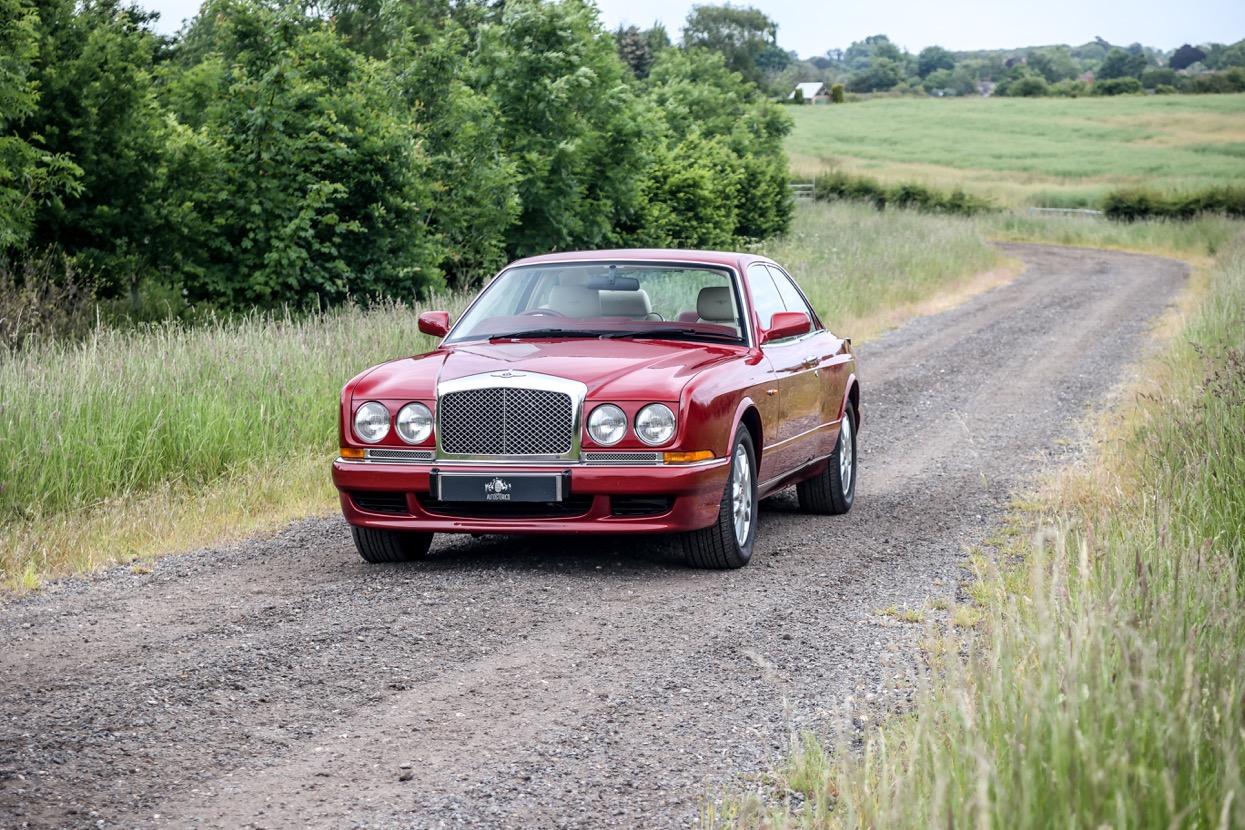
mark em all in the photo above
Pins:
pixel 727 258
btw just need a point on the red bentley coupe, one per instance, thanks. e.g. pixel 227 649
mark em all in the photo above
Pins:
pixel 631 391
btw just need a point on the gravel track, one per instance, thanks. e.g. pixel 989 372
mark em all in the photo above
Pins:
pixel 558 682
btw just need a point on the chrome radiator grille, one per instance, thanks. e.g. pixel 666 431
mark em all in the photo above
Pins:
pixel 505 421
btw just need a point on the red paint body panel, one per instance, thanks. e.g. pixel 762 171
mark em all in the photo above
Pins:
pixel 796 388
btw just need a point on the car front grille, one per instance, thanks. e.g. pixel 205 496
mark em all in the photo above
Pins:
pixel 505 421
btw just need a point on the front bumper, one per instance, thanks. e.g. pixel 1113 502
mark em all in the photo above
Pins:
pixel 694 492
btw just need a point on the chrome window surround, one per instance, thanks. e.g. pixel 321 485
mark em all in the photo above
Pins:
pixel 524 380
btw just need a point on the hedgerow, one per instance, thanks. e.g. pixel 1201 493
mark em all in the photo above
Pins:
pixel 278 155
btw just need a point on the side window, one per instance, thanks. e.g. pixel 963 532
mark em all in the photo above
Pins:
pixel 765 294
pixel 791 296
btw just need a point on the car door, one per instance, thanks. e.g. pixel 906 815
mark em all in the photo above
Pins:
pixel 797 397
pixel 822 386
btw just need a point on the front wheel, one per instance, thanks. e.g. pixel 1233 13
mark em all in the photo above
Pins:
pixel 727 543
pixel 377 546
pixel 833 491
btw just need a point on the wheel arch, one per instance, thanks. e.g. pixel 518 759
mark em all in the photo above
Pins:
pixel 749 417
pixel 853 395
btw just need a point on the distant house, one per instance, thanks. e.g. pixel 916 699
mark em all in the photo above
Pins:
pixel 985 88
pixel 811 92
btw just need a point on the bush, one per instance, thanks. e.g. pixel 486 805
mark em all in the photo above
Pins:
pixel 1159 76
pixel 1117 86
pixel 1165 89
pixel 1233 80
pixel 1030 86
pixel 837 186
pixel 836 94
pixel 1132 204
pixel 1071 88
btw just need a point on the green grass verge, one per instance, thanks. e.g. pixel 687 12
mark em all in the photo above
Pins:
pixel 1059 152
pixel 133 443
pixel 1106 686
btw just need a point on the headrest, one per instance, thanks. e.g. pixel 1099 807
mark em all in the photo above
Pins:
pixel 626 304
pixel 716 304
pixel 575 301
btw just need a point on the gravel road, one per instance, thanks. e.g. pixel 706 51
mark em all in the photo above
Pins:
pixel 578 682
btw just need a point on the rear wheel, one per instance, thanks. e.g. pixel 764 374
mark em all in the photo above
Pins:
pixel 833 491
pixel 378 546
pixel 727 543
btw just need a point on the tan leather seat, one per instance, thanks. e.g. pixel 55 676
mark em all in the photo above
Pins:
pixel 716 305
pixel 575 301
pixel 633 304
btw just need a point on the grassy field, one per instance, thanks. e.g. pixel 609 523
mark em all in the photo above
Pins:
pixel 1104 686
pixel 1062 152
pixel 161 440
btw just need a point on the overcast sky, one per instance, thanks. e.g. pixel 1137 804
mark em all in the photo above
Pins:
pixel 810 27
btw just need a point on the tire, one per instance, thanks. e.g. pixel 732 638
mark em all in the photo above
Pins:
pixel 378 546
pixel 826 493
pixel 718 547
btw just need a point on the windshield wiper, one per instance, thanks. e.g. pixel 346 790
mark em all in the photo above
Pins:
pixel 672 334
pixel 514 335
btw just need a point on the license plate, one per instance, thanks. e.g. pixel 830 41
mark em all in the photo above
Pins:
pixel 498 487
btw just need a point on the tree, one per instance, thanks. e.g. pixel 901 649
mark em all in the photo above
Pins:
pixel 98 107
pixel 882 74
pixel 571 123
pixel 473 182
pixel 836 94
pixel 29 174
pixel 699 97
pixel 1186 56
pixel 1053 65
pixel 1121 64
pixel 1219 56
pixel 933 58
pixel 860 56
pixel 634 50
pixel 307 175
pixel 741 34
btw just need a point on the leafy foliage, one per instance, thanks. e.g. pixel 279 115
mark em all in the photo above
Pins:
pixel 741 34
pixel 276 155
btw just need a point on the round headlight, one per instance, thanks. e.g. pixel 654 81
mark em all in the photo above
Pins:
pixel 607 424
pixel 414 423
pixel 654 424
pixel 371 422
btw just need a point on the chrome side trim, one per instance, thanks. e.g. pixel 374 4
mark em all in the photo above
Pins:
pixel 574 389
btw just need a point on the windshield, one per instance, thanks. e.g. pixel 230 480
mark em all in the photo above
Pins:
pixel 606 300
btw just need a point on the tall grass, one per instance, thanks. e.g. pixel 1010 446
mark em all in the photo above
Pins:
pixel 1108 685
pixel 863 270
pixel 132 442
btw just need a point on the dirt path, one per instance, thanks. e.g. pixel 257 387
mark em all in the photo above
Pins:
pixel 556 683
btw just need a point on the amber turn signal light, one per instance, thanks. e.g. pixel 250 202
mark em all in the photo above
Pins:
pixel 352 452
pixel 686 457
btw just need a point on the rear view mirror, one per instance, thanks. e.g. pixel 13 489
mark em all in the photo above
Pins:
pixel 612 282
pixel 787 324
pixel 436 323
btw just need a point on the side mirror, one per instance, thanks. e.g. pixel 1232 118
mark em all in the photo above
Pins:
pixel 787 324
pixel 436 323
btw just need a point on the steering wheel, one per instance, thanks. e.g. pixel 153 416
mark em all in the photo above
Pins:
pixel 541 312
